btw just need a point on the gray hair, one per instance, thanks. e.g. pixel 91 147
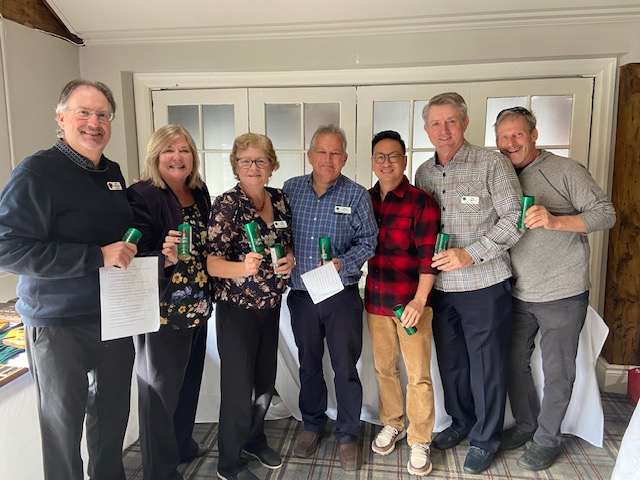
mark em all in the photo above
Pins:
pixel 516 112
pixel 330 129
pixel 70 87
pixel 449 98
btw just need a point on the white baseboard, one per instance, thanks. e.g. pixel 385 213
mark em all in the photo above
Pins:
pixel 612 378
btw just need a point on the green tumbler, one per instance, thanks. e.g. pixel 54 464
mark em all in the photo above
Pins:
pixel 527 202
pixel 398 309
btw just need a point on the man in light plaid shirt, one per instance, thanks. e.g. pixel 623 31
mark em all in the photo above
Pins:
pixel 479 197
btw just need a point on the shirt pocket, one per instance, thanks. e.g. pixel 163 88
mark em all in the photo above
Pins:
pixel 473 192
pixel 398 234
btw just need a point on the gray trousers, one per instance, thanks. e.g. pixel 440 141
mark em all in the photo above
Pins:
pixel 560 323
pixel 77 373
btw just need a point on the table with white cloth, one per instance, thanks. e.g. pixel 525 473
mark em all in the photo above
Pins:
pixel 21 453
pixel 584 417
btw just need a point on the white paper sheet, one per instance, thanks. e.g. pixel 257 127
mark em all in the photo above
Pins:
pixel 322 282
pixel 129 299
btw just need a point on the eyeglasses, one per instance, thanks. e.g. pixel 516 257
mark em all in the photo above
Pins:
pixel 84 114
pixel 518 110
pixel 393 157
pixel 247 162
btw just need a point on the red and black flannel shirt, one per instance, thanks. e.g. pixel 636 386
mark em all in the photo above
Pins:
pixel 409 221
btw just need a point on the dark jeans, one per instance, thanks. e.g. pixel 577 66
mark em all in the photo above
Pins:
pixel 248 348
pixel 560 323
pixel 472 332
pixel 77 373
pixel 337 319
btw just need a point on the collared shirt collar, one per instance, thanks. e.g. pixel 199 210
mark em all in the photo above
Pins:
pixel 334 184
pixel 399 191
pixel 461 154
pixel 78 159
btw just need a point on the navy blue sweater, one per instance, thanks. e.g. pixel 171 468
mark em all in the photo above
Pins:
pixel 54 216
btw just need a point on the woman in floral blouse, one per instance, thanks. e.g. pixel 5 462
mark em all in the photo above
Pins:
pixel 169 362
pixel 248 295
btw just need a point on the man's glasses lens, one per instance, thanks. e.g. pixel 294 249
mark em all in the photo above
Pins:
pixel 393 157
pixel 518 110
pixel 104 117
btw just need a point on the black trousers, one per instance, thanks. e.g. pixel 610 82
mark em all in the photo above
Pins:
pixel 169 366
pixel 248 348
pixel 337 319
pixel 77 373
pixel 472 331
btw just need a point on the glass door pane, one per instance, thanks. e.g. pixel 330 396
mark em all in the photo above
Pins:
pixel 214 118
pixel 290 117
pixel 561 105
pixel 397 108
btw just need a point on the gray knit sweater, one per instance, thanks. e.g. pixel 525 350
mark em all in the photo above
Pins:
pixel 550 265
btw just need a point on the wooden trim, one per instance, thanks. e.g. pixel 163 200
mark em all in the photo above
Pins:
pixel 36 14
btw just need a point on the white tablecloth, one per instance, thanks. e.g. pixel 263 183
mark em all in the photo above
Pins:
pixel 628 462
pixel 584 417
pixel 20 435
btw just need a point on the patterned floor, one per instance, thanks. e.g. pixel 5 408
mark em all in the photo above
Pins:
pixel 579 459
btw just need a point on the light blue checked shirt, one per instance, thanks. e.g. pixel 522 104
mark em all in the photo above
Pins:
pixel 353 235
pixel 479 196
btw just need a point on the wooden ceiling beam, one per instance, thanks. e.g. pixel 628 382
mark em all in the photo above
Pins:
pixel 36 14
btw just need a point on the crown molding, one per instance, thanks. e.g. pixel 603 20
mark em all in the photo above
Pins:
pixel 418 24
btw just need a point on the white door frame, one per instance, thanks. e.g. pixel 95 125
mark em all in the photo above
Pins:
pixel 604 71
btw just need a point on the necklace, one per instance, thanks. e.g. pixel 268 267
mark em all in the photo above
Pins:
pixel 261 207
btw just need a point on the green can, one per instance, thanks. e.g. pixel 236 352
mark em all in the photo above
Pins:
pixel 324 243
pixel 255 240
pixel 526 202
pixel 184 247
pixel 277 252
pixel 132 235
pixel 442 242
pixel 398 310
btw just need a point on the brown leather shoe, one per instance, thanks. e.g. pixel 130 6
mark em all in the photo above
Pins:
pixel 350 456
pixel 307 444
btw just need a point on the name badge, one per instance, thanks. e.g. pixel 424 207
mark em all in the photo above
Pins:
pixel 343 210
pixel 280 224
pixel 114 185
pixel 470 200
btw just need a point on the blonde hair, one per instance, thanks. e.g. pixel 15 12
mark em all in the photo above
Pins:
pixel 257 140
pixel 159 141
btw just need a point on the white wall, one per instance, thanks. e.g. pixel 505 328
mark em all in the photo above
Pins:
pixel 35 67
pixel 633 56
pixel 108 62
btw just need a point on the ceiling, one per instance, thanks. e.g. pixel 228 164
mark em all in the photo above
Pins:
pixel 140 21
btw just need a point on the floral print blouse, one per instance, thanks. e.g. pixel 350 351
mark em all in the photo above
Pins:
pixel 226 238
pixel 187 300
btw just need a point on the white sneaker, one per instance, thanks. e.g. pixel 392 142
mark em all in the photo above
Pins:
pixel 385 441
pixel 419 460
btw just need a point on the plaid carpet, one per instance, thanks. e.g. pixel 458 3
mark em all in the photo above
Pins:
pixel 579 459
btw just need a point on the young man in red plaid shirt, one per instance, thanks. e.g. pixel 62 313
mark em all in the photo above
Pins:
pixel 401 273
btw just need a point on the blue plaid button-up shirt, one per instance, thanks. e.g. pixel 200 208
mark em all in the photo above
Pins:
pixel 353 235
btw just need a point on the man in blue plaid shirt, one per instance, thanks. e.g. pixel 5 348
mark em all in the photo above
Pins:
pixel 328 204
pixel 479 196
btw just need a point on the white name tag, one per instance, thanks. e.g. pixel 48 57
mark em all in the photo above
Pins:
pixel 470 200
pixel 280 224
pixel 114 185
pixel 343 210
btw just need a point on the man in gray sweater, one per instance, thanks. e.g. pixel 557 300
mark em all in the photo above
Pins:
pixel 551 292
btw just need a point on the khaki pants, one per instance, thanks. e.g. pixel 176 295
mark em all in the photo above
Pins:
pixel 386 335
